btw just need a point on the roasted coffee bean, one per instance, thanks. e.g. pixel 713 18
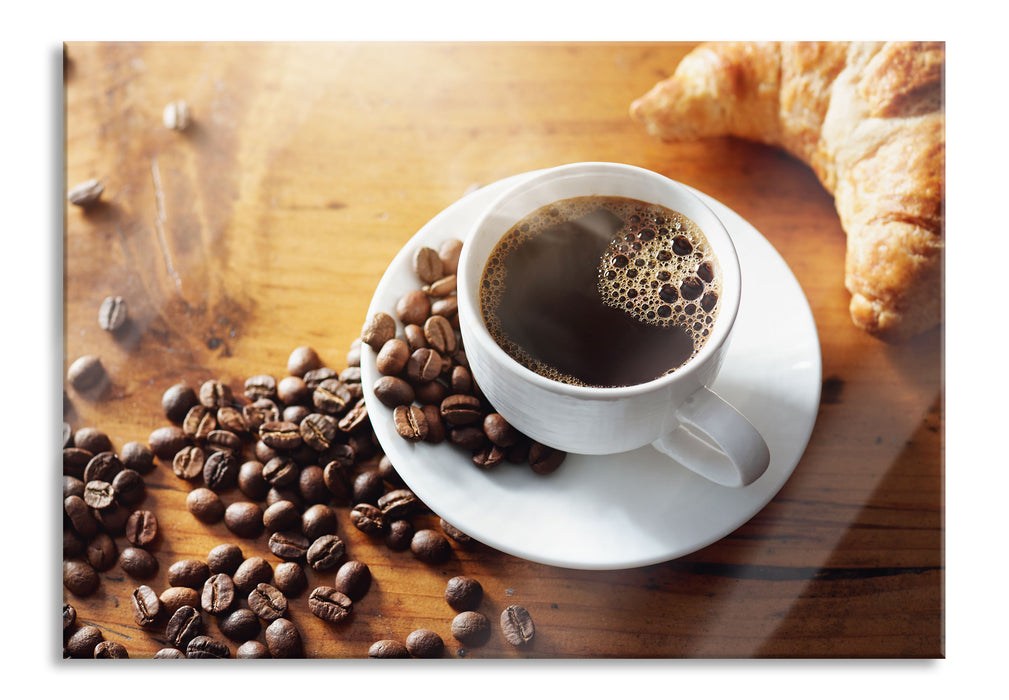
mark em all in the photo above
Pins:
pixel 430 546
pixel 185 625
pixel 326 552
pixel 250 573
pixel 82 642
pixel 280 435
pixel 368 487
pixel 280 471
pixel 189 573
pixel 545 460
pixel 290 578
pixel 388 472
pixel 69 618
pixel 282 515
pixel 80 517
pixel 353 579
pixel 168 653
pixel 399 503
pixel 260 412
pixel 394 391
pixel 463 593
pixel 167 441
pixel 413 307
pixel 188 462
pixel 449 251
pixel 220 471
pixel 252 649
pixel 267 602
pixel 368 519
pixel 283 640
pixel 332 396
pixel 318 430
pixel 260 386
pixel 231 419
pixel 87 374
pixel 329 604
pixel 214 394
pixel 517 626
pixel 318 520
pixel 440 335
pixel 199 421
pixel 499 431
pixel 244 519
pixel 316 377
pixel 461 409
pixel 205 505
pixel 99 494
pixel 103 467
pixel 425 644
pixel 110 649
pixel 225 558
pixel 112 314
pixel 410 423
pixel 93 440
pixel 142 528
pixel 175 597
pixel 356 419
pixel 251 481
pixel 398 534
pixel 471 628
pixel 240 624
pixel 413 334
pixel 138 562
pixel 72 486
pixel 80 578
pixel 388 649
pixel 224 441
pixel 102 552
pixel 218 594
pixel 129 487
pixel 441 287
pixel 113 519
pixel 378 329
pixel 205 647
pixel 284 493
pixel 393 356
pixel 427 264
pixel 433 392
pixel 289 545
pixel 75 461
pixel 303 359
pixel 137 456
pixel 177 400
pixel 337 479
pixel 292 391
pixel 489 457
pixel 146 606
pixel 424 365
pixel 455 533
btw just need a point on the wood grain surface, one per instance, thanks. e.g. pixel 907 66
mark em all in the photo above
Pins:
pixel 267 225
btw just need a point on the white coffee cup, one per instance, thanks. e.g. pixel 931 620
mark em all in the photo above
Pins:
pixel 676 413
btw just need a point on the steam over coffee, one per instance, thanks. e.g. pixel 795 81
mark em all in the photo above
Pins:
pixel 601 291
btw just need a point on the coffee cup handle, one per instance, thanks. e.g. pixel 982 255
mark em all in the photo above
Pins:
pixel 714 440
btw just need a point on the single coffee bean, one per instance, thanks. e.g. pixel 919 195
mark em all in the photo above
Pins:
pixel 394 391
pixel 290 578
pixel 75 461
pixel 318 430
pixel 356 419
pixel 499 431
pixel 240 624
pixel 104 466
pixel 260 412
pixel 332 396
pixel 260 386
pixel 205 505
pixel 225 558
pixel 112 314
pixel 205 647
pixel 378 329
pixel 414 336
pixel 517 626
pixel 79 514
pixel 224 441
pixel 142 528
pixel 430 546
pixel 318 520
pixel 190 573
pixel 177 400
pixel 99 494
pixel 294 414
pixel 175 597
pixel 425 644
pixel 410 423
pixel 398 534
pixel 329 604
pixel 220 470
pixel 424 365
pixel 199 421
pixel 168 653
pixel 303 359
pixel 250 573
pixel 454 532
pixel 292 390
pixel 463 593
pixel 72 486
pixel 441 287
pixel 368 487
pixel 129 487
pixel 282 515
pixel 69 618
pixel 138 562
pixel 232 419
pixel 447 307
pixel 80 578
pixel 188 462
pixel 244 519
pixel 489 456
pixel 368 519
pixel 388 649
pixel 289 545
pixel 316 377
pixel 392 358
pixel 413 307
pixel 280 471
pixel 218 594
pixel 267 602
pixel 449 251
pixel 102 552
pixel 461 409
pixel 214 394
pixel 87 374
pixel 110 649
pixel 283 639
pixel 251 481
pixel 427 264
pixel 82 642
pixel 93 440
pixel 252 649
pixel 471 628
pixel 440 335
pixel 184 625
pixel 146 606
pixel 545 460
pixel 353 579
pixel 325 553
pixel 280 435
pixel 399 503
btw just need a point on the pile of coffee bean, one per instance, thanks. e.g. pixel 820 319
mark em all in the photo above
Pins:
pixel 425 375
pixel 86 641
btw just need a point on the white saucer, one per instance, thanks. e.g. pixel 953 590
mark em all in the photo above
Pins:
pixel 635 508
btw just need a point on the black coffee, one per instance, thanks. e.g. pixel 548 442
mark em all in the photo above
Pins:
pixel 601 291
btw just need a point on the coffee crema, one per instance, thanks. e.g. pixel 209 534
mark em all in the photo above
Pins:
pixel 601 291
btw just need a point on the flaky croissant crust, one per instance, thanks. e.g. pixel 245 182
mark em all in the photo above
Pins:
pixel 869 119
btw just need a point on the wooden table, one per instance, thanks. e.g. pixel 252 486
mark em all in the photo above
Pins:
pixel 267 225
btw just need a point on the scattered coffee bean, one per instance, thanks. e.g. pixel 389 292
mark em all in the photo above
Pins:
pixel 80 578
pixel 110 649
pixel 225 558
pixel 318 520
pixel 188 462
pixel 138 562
pixel 455 533
pixel 146 606
pixel 93 440
pixel 244 519
pixel 280 435
pixel 545 460
pixel 102 552
pixel 82 642
pixel 86 194
pixel 394 391
pixel 461 409
pixel 517 626
pixel 425 644
pixel 289 545
pixel 142 528
pixel 283 639
pixel 325 553
pixel 413 307
pixel 463 593
pixel 430 546
pixel 398 535
pixel 168 653
pixel 87 374
pixel 129 487
pixel 218 594
pixel 252 649
pixel 214 394
pixel 267 602
pixel 205 505
pixel 185 625
pixel 353 579
pixel 368 519
pixel 177 400
pixel 241 624
pixel 205 647
pixel 99 494
pixel 378 329
pixel 290 578
pixel 399 503
pixel 190 573
pixel 250 573
pixel 471 628
pixel 167 441
pixel 175 597
pixel 388 649
pixel 80 517
pixel 301 360
pixel 112 314
pixel 220 470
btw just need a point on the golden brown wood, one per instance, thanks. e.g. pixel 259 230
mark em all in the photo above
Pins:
pixel 268 224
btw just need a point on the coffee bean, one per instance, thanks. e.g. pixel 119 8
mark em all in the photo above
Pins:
pixel 99 494
pixel 251 481
pixel 448 308
pixel 168 653
pixel 175 597
pixel 218 594
pixel 463 593
pixel 317 376
pixel 280 471
pixel 220 471
pixel 455 533
pixel 103 467
pixel 545 460
pixel 289 546
pixel 353 579
pixel 260 412
pixel 280 435
pixel 82 642
pixel 129 487
pixel 329 604
pixel 231 419
pixel 199 421
pixel 87 374
pixel 225 558
pixel 318 430
pixel 394 391
pixel 72 486
pixel 410 423
pixel 188 462
pixel 427 264
pixel 110 649
pixel 260 386
pixel 461 409
pixel 177 400
pixel 282 515
pixel 189 573
pixel 244 519
pixel 146 606
pixel 138 562
pixel 440 335
pixel 471 628
pixel 142 528
pixel 69 618
pixel 430 546
pixel 102 552
pixel 240 624
pixel 80 578
pixel 398 534
pixel 356 419
pixel 283 639
pixel 378 329
pixel 224 441
pixel 167 441
pixel 267 602
pixel 214 394
pixel 332 396
pixel 433 392
pixel 79 515
pixel 441 287
pixel 413 307
pixel 399 503
pixel 250 573
pixel 499 431
pixel 204 647
pixel 205 505
pixel 424 365
pixel 318 520
pixel 252 649
pixel 75 461
pixel 449 252
pixel 392 357
pixel 368 519
pixel 325 553
pixel 301 360
pixel 93 440
pixel 290 578
pixel 425 644
pixel 137 457
pixel 184 625
pixel 517 626
pixel 488 457
pixel 388 649
pixel 368 487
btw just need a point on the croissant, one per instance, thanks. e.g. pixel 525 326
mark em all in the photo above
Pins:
pixel 869 119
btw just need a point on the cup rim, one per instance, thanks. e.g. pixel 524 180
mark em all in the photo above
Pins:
pixel 720 331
